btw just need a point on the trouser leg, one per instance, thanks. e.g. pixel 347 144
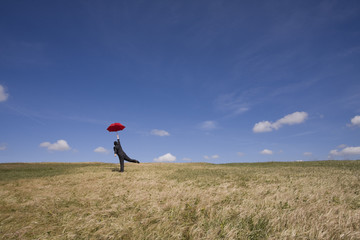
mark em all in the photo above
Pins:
pixel 126 157
pixel 121 160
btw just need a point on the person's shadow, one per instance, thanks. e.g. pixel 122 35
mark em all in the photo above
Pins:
pixel 113 169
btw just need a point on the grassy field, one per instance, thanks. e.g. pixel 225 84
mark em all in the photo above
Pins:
pixel 297 200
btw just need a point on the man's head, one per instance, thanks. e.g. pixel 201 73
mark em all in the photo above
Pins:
pixel 115 143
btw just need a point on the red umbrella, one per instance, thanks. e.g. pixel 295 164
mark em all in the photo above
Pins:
pixel 115 127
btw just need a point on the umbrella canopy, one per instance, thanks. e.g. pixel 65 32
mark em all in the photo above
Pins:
pixel 115 127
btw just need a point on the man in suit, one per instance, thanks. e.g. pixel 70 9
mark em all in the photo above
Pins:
pixel 121 154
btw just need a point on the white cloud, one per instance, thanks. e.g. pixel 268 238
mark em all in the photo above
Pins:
pixel 3 147
pixel 355 121
pixel 240 154
pixel 211 157
pixel 266 152
pixel 101 150
pixel 208 125
pixel 168 157
pixel 351 151
pixel 290 119
pixel 264 126
pixel 60 145
pixel 345 151
pixel 187 159
pixel 3 94
pixel 334 152
pixel 307 153
pixel 158 132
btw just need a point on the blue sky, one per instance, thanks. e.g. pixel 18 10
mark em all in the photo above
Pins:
pixel 214 81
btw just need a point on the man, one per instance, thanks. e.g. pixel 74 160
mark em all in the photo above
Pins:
pixel 121 154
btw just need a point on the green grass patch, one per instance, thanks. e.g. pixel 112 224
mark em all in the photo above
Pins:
pixel 16 171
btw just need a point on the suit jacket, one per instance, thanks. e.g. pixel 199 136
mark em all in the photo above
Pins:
pixel 118 149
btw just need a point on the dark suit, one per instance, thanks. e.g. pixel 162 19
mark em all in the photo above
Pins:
pixel 122 155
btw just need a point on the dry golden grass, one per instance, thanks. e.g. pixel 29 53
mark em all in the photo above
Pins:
pixel 309 200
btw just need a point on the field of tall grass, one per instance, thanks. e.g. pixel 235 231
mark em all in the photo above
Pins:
pixel 294 200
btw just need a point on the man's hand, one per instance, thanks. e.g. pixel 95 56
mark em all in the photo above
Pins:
pixel 114 154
